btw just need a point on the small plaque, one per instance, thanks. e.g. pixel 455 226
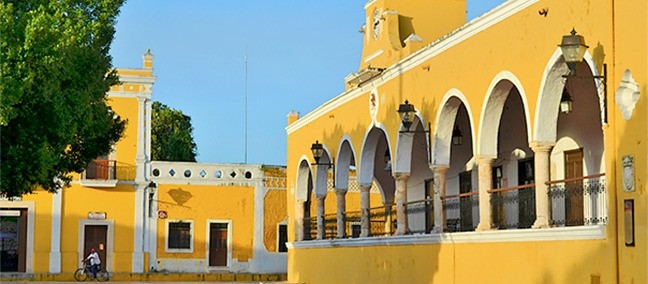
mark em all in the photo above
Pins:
pixel 97 215
pixel 162 214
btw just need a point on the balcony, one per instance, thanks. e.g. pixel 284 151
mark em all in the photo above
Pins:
pixel 106 173
pixel 577 202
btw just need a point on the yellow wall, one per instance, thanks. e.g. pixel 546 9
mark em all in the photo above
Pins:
pixel 126 148
pixel 274 212
pixel 42 225
pixel 510 262
pixel 200 203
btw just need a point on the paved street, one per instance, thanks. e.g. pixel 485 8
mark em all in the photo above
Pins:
pixel 135 282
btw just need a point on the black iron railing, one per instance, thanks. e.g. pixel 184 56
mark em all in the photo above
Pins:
pixel 420 216
pixel 459 211
pixel 330 226
pixel 578 201
pixel 310 228
pixel 513 207
pixel 382 220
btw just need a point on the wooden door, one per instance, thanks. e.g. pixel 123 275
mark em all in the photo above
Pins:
pixel 429 214
pixel 103 169
pixel 96 236
pixel 574 189
pixel 526 196
pixel 217 244
pixel 13 240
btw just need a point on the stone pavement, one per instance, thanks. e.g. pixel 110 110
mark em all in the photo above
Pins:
pixel 150 277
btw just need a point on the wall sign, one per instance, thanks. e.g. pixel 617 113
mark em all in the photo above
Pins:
pixel 162 214
pixel 97 215
pixel 628 173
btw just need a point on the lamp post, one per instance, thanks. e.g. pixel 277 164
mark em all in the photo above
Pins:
pixel 573 48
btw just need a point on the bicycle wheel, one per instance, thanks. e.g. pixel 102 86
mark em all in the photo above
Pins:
pixel 102 275
pixel 80 275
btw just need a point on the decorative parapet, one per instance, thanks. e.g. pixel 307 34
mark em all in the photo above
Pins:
pixel 204 173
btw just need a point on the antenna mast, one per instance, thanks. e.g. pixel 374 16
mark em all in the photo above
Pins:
pixel 246 107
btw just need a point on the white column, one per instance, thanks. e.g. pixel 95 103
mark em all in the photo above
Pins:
pixel 147 137
pixel 541 176
pixel 388 217
pixel 152 230
pixel 299 220
pixel 440 172
pixel 485 171
pixel 401 199
pixel 140 157
pixel 55 251
pixel 364 208
pixel 341 211
pixel 138 236
pixel 320 216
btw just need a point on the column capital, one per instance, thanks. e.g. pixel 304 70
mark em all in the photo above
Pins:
pixel 440 169
pixel 401 176
pixel 320 196
pixel 341 190
pixel 365 187
pixel 541 146
pixel 484 159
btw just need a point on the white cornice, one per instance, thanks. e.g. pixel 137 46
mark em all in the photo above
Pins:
pixel 496 236
pixel 137 79
pixel 473 27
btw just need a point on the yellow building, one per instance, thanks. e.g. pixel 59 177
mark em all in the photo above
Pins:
pixel 508 149
pixel 143 217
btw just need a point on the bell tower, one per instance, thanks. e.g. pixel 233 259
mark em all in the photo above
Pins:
pixel 395 29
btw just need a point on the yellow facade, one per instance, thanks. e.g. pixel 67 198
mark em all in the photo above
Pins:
pixel 123 203
pixel 498 80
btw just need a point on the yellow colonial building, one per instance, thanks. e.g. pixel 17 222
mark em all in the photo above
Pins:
pixel 144 216
pixel 508 149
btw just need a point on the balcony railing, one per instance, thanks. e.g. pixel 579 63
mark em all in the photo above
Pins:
pixel 108 170
pixel 460 211
pixel 382 220
pixel 330 226
pixel 578 201
pixel 420 216
pixel 513 207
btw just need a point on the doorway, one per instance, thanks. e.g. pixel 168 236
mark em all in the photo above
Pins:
pixel 218 244
pixel 13 240
pixel 526 196
pixel 465 202
pixel 96 236
pixel 574 189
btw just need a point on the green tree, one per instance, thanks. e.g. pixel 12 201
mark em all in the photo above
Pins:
pixel 55 70
pixel 171 135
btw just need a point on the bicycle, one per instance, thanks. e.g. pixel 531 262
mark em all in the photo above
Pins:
pixel 84 272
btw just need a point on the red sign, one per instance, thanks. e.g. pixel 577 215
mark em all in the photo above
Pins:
pixel 162 214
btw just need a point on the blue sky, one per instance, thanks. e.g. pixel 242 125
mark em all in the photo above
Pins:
pixel 298 53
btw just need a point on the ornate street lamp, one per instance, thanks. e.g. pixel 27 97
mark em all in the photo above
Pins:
pixel 406 112
pixel 457 136
pixel 318 151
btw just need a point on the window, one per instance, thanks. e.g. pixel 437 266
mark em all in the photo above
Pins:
pixel 283 238
pixel 179 236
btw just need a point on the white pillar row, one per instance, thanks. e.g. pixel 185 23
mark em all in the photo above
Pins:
pixel 401 199
pixel 541 163
pixel 440 172
pixel 299 220
pixel 485 171
pixel 320 215
pixel 364 208
pixel 341 211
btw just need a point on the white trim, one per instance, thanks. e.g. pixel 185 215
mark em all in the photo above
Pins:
pixel 139 230
pixel 369 3
pixel 373 55
pixel 31 214
pixel 495 236
pixel 166 236
pixel 461 34
pixel 55 251
pixel 229 244
pixel 109 240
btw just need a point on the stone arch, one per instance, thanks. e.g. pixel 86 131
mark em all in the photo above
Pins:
pixel 372 148
pixel 491 113
pixel 402 160
pixel 551 86
pixel 442 137
pixel 346 158
pixel 321 172
pixel 304 180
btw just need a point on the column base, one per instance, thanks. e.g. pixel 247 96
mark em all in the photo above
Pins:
pixel 55 262
pixel 540 224
pixel 484 227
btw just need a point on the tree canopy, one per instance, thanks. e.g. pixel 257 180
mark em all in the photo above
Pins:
pixel 55 70
pixel 171 135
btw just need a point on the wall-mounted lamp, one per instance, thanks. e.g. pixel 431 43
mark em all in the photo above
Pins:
pixel 388 166
pixel 406 111
pixel 457 136
pixel 318 151
pixel 573 48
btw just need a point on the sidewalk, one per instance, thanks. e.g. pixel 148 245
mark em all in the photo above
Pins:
pixel 148 277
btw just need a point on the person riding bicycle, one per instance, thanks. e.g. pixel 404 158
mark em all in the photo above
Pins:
pixel 94 259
